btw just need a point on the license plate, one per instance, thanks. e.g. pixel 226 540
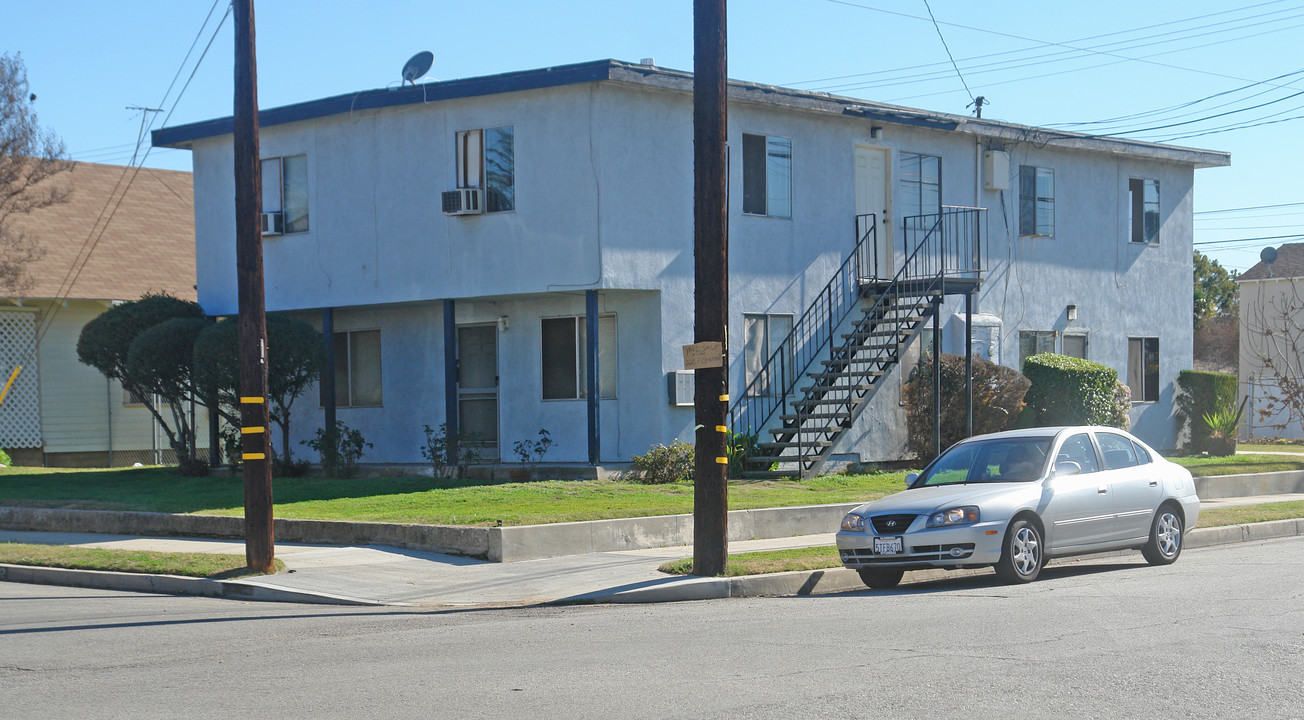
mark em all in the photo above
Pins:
pixel 888 546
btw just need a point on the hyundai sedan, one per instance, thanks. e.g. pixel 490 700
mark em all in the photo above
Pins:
pixel 1015 499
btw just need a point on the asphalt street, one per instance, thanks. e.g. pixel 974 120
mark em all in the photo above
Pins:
pixel 1218 634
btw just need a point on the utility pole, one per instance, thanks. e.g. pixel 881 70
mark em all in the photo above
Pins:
pixel 259 543
pixel 711 285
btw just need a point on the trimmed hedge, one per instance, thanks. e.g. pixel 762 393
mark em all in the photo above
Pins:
pixel 1072 391
pixel 997 399
pixel 1200 393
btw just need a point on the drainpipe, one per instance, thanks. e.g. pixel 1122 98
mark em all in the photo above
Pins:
pixel 108 407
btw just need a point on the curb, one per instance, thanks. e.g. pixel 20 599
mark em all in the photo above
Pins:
pixel 830 580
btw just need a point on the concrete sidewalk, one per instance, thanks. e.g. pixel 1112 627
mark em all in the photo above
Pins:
pixel 375 575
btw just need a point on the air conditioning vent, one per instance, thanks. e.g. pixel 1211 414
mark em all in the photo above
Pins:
pixel 463 201
pixel 273 223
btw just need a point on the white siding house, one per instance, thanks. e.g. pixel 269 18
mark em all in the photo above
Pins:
pixel 1271 373
pixel 582 178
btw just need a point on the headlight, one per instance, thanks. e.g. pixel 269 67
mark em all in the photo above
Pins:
pixel 965 515
pixel 854 522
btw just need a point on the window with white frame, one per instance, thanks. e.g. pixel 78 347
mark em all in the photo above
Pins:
pixel 767 176
pixel 486 159
pixel 1036 201
pixel 566 358
pixel 921 184
pixel 357 369
pixel 1143 368
pixel 1143 218
pixel 285 193
pixel 1035 342
pixel 763 334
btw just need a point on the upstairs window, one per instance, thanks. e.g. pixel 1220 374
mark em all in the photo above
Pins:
pixel 767 176
pixel 1143 368
pixel 285 193
pixel 921 184
pixel 1144 216
pixel 1036 201
pixel 486 159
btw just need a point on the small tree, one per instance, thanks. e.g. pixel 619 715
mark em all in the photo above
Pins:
pixel 294 363
pixel 105 344
pixel 1274 336
pixel 29 159
pixel 161 362
pixel 997 399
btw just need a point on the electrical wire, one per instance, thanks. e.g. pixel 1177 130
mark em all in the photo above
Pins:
pixel 938 28
pixel 1249 207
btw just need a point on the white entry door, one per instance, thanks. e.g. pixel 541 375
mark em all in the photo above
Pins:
pixel 873 196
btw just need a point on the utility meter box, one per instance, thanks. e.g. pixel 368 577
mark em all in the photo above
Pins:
pixel 680 386
pixel 996 170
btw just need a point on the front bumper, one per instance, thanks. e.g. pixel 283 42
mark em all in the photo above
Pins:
pixel 969 545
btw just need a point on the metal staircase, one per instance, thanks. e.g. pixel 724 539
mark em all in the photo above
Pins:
pixel 823 375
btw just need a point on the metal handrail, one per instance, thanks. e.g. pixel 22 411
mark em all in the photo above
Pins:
pixel 946 244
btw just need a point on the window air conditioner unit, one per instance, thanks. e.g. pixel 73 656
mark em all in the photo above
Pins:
pixel 462 201
pixel 273 223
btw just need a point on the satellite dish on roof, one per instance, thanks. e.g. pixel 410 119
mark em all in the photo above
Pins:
pixel 1269 256
pixel 417 66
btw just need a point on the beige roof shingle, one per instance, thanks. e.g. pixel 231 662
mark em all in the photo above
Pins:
pixel 147 246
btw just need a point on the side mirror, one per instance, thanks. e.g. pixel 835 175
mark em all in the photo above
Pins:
pixel 911 478
pixel 1067 467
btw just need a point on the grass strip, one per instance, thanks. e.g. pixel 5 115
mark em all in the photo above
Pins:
pixel 200 565
pixel 826 556
pixel 1208 465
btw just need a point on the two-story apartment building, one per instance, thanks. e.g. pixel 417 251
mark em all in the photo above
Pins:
pixel 515 252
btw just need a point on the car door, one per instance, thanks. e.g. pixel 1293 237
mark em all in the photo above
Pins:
pixel 1135 484
pixel 1080 510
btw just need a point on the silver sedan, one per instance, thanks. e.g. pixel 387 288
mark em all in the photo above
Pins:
pixel 1015 499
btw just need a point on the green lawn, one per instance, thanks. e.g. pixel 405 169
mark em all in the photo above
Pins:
pixel 414 499
pixel 826 556
pixel 200 565
pixel 1206 465
pixel 1271 447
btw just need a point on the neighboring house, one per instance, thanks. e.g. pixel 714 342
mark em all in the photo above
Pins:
pixel 1272 343
pixel 476 245
pixel 102 246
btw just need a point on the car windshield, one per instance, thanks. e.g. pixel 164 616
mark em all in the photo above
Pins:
pixel 1015 459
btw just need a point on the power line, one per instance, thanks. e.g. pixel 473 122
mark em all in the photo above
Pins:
pixel 938 28
pixel 1249 207
pixel 1207 243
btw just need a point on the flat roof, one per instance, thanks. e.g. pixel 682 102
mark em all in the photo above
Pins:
pixel 182 136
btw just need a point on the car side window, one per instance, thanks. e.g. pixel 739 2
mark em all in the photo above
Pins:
pixel 1078 449
pixel 1117 450
pixel 1142 455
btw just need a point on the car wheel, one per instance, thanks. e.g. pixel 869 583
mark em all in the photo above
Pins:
pixel 1023 554
pixel 881 579
pixel 1165 542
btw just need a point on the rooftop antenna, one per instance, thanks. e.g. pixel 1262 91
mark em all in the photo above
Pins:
pixel 417 66
pixel 1269 256
pixel 977 106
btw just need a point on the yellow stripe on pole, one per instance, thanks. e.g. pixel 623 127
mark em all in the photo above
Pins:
pixel 724 398
pixel 253 456
pixel 722 461
pixel 252 400
pixel 12 377
pixel 253 430
pixel 721 428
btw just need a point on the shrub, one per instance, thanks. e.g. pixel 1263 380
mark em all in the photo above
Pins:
pixel 531 452
pixel 1198 394
pixel 449 456
pixel 666 464
pixel 740 447
pixel 1118 413
pixel 997 399
pixel 5 460
pixel 339 449
pixel 1071 391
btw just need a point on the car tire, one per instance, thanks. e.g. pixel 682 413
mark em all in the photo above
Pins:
pixel 1023 553
pixel 881 579
pixel 1165 542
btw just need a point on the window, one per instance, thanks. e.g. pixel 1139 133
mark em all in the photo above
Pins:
pixel 1142 455
pixel 762 336
pixel 1035 342
pixel 1144 216
pixel 566 358
pixel 921 184
pixel 1078 449
pixel 487 159
pixel 1036 201
pixel 357 369
pixel 767 176
pixel 285 191
pixel 1117 451
pixel 1075 345
pixel 1143 368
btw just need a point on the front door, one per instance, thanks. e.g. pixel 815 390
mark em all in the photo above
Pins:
pixel 477 387
pixel 872 196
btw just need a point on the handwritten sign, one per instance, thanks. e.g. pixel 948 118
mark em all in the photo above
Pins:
pixel 703 355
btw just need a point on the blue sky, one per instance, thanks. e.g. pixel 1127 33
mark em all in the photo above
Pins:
pixel 1038 63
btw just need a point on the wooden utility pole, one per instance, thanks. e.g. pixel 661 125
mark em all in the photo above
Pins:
pixel 259 544
pixel 711 286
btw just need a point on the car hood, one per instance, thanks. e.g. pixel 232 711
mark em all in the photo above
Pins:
pixel 927 499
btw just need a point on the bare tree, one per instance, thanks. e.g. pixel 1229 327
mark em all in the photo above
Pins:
pixel 29 157
pixel 1274 339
